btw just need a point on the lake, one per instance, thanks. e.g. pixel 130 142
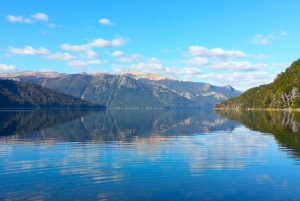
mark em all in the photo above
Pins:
pixel 149 155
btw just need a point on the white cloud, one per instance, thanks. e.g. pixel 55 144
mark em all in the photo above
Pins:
pixel 77 64
pixel 94 62
pixel 240 81
pixel 216 52
pixel 137 57
pixel 196 61
pixel 118 54
pixel 5 67
pixel 261 40
pixel 145 67
pixel 61 56
pixel 46 70
pixel 95 43
pixel 154 61
pixel 51 25
pixel 40 16
pixel 75 48
pixel 91 54
pixel 29 51
pixel 266 40
pixel 183 71
pixel 12 18
pixel 37 16
pixel 240 66
pixel 106 22
pixel 125 59
pixel 105 43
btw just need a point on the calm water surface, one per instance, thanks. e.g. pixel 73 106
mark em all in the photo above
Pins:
pixel 149 155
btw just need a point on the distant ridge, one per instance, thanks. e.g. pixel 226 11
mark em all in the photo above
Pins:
pixel 131 89
pixel 151 76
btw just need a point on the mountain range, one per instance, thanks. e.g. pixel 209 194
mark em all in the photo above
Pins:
pixel 130 89
pixel 15 94
pixel 282 93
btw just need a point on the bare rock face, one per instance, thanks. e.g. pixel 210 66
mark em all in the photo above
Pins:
pixel 151 76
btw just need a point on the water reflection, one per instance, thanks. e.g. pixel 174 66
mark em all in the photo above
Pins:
pixel 110 125
pixel 141 154
pixel 284 125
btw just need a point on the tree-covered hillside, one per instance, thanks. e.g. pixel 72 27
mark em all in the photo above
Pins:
pixel 15 94
pixel 283 92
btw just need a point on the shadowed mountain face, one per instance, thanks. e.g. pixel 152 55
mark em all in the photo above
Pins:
pixel 14 94
pixel 110 125
pixel 284 125
pixel 27 121
pixel 127 91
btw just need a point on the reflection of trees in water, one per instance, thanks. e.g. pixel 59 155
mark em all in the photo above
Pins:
pixel 22 122
pixel 284 125
pixel 111 125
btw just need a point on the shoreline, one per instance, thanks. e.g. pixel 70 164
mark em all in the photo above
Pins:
pixel 267 109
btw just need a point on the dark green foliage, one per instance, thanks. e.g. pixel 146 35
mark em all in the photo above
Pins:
pixel 283 92
pixel 15 94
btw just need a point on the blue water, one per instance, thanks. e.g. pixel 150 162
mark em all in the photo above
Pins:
pixel 142 155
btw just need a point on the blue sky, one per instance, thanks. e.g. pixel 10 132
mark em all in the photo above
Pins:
pixel 238 43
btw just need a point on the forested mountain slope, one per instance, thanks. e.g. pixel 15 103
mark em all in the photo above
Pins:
pixel 283 92
pixel 14 94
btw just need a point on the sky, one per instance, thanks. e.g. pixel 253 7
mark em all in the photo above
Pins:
pixel 232 42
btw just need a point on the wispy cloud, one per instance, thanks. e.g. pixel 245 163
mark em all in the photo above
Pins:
pixel 5 67
pixel 106 22
pixel 78 64
pixel 34 17
pixel 61 56
pixel 216 52
pixel 14 19
pixel 118 54
pixel 105 43
pixel 51 25
pixel 46 70
pixel 131 58
pixel 266 40
pixel 90 54
pixel 196 61
pixel 75 48
pixel 40 16
pixel 94 62
pixel 154 60
pixel 29 51
pixel 239 66
pixel 178 72
pixel 95 43
pixel 142 66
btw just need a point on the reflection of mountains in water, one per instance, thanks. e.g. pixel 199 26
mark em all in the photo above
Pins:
pixel 284 125
pixel 110 125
